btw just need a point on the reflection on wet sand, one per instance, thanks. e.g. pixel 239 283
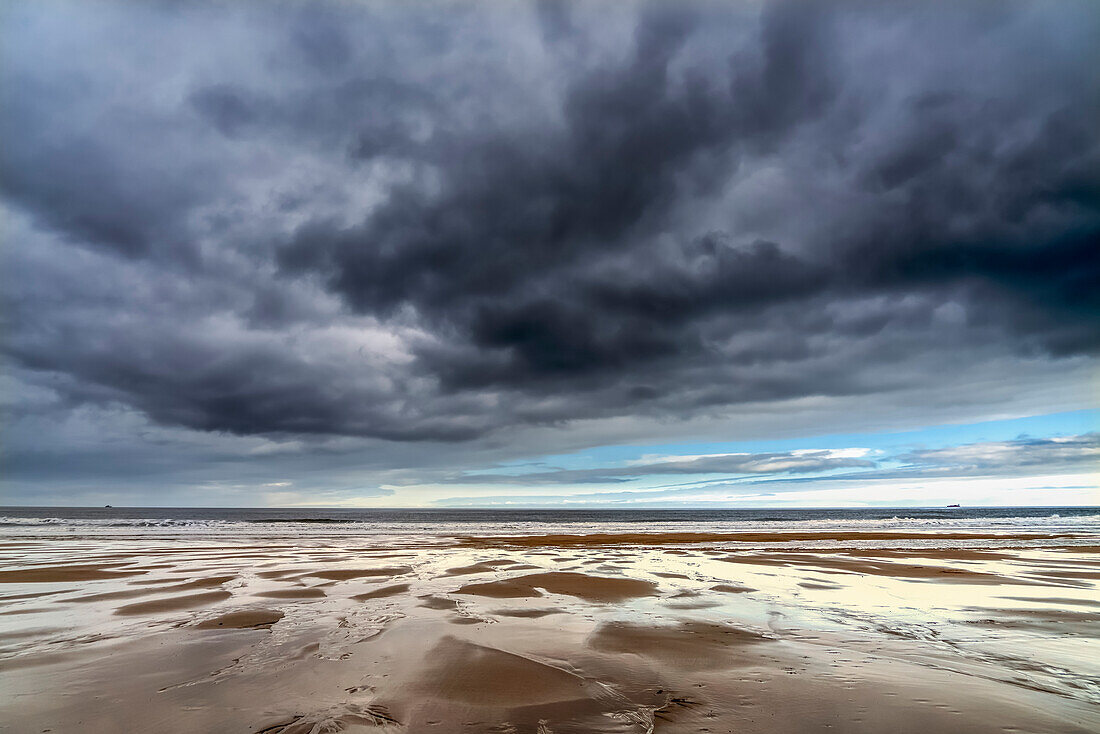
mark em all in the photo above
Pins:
pixel 677 632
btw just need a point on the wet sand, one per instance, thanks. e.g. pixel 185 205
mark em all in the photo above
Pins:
pixel 590 588
pixel 672 632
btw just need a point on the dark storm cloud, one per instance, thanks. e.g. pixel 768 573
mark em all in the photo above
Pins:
pixel 525 250
pixel 539 255
pixel 94 192
pixel 403 223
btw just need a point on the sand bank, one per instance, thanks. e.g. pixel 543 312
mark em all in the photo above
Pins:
pixel 590 588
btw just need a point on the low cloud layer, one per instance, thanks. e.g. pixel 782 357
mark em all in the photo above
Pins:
pixel 774 475
pixel 390 224
pixel 788 462
pixel 1072 453
pixel 993 458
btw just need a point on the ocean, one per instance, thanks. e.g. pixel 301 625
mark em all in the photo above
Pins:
pixel 252 523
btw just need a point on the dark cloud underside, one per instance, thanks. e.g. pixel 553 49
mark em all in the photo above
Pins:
pixel 414 222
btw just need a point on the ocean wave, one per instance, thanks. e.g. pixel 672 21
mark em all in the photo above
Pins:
pixel 104 523
pixel 273 523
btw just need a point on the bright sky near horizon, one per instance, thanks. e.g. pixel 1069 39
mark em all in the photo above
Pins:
pixel 535 253
pixel 1040 460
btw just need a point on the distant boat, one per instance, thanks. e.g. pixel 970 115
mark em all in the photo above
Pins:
pixel 108 506
pixel 948 507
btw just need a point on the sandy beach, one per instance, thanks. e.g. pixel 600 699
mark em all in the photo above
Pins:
pixel 560 632
pixel 549 367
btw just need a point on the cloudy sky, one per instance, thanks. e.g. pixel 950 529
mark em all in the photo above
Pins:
pixel 534 253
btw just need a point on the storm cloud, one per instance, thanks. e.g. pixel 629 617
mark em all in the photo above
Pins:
pixel 402 223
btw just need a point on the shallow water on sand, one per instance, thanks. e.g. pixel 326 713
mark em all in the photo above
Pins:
pixel 571 628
